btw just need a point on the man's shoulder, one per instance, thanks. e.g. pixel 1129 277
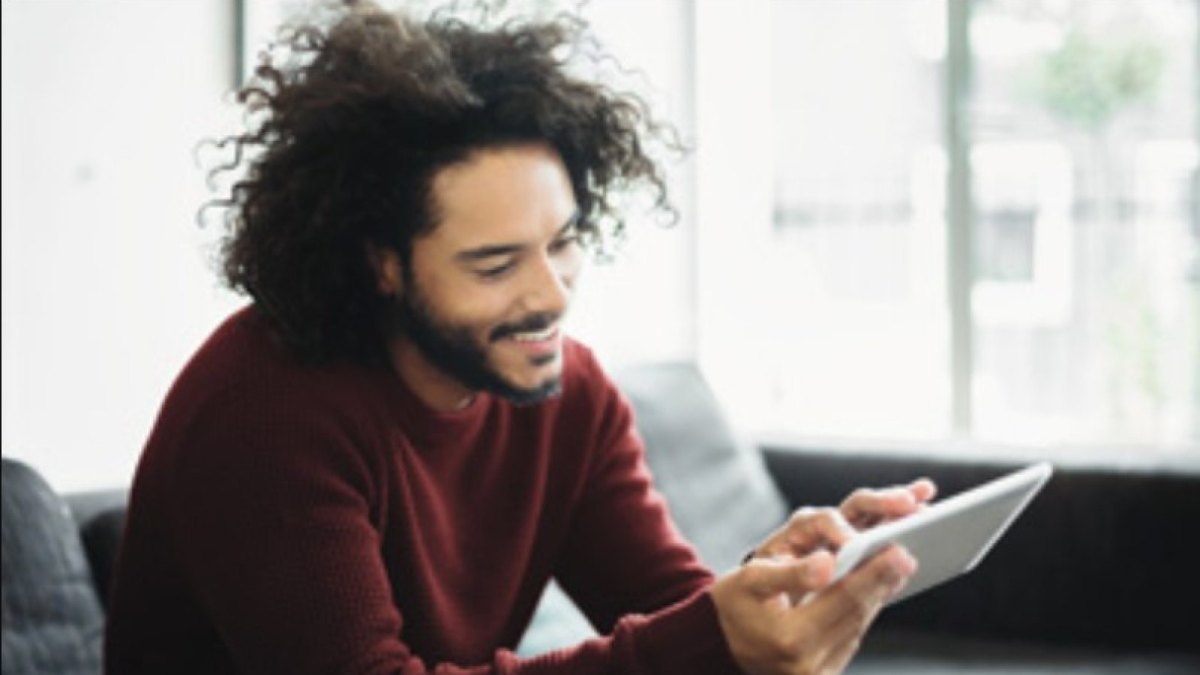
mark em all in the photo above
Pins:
pixel 240 350
pixel 244 360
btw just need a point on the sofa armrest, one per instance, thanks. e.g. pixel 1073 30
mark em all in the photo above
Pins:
pixel 100 516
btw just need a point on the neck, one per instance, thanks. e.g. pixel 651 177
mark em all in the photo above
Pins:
pixel 435 388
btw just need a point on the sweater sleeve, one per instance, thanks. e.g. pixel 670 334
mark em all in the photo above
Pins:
pixel 275 534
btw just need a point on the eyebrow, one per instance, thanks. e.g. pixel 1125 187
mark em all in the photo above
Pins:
pixel 492 250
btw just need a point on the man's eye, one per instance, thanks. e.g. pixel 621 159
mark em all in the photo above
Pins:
pixel 494 272
pixel 561 244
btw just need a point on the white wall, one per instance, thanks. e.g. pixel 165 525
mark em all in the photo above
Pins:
pixel 641 306
pixel 107 284
pixel 734 184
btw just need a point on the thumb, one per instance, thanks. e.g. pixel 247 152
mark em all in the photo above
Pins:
pixel 788 574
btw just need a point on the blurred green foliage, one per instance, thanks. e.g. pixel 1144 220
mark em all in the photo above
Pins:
pixel 1087 81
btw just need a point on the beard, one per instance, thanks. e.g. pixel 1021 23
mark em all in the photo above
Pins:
pixel 455 350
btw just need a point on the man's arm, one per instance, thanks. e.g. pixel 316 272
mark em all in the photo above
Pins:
pixel 776 616
pixel 277 540
pixel 623 554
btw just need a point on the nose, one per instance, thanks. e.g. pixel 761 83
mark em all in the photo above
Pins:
pixel 550 285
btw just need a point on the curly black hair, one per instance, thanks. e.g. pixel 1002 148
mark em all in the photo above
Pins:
pixel 351 129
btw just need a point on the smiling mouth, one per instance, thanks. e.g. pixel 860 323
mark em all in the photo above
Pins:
pixel 535 336
pixel 541 347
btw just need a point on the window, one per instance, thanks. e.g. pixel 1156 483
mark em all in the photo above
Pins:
pixel 1107 91
pixel 982 219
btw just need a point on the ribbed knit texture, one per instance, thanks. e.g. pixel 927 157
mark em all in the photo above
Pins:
pixel 324 520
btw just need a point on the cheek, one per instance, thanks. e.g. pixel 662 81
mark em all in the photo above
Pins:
pixel 482 312
pixel 464 304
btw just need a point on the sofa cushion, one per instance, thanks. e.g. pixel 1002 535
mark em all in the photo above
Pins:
pixel 718 489
pixel 922 652
pixel 53 622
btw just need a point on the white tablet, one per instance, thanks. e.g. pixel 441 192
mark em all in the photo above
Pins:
pixel 951 536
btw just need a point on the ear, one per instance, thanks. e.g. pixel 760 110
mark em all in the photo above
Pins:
pixel 389 273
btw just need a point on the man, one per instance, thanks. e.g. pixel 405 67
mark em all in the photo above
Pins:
pixel 379 464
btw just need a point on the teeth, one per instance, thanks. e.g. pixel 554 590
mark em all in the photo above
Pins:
pixel 534 337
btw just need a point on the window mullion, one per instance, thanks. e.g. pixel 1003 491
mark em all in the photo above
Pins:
pixel 959 261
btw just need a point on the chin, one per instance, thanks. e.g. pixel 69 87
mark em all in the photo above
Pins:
pixel 532 395
pixel 528 372
pixel 536 384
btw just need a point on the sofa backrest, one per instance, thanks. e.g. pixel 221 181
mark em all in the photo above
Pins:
pixel 1102 556
pixel 53 620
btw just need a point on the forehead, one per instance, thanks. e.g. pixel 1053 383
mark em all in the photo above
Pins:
pixel 507 194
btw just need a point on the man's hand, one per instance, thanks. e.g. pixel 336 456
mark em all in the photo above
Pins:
pixel 810 529
pixel 769 633
pixel 866 508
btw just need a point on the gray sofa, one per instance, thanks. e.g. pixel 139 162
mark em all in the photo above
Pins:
pixel 1097 577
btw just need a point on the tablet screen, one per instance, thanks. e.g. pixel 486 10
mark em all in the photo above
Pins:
pixel 949 537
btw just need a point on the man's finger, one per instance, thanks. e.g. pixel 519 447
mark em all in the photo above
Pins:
pixel 766 577
pixel 807 530
pixel 882 576
pixel 923 489
pixel 868 507
pixel 815 527
pixel 862 592
pixel 846 630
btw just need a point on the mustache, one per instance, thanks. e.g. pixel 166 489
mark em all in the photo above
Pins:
pixel 528 324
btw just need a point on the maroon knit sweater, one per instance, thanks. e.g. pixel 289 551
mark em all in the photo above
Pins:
pixel 324 520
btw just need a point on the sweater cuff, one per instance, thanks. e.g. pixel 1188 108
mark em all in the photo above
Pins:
pixel 686 638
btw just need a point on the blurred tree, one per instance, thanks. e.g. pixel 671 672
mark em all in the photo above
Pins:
pixel 1098 71
pixel 1086 82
